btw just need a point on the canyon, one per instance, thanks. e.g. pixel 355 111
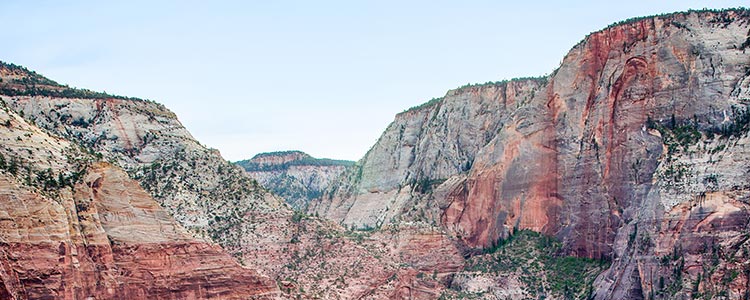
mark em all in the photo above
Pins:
pixel 623 174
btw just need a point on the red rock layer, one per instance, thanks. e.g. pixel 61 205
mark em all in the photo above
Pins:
pixel 109 240
pixel 578 160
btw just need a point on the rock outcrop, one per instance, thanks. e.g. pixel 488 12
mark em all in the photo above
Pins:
pixel 212 198
pixel 74 228
pixel 294 175
pixel 633 151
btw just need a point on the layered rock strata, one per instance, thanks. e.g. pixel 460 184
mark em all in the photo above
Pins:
pixel 74 228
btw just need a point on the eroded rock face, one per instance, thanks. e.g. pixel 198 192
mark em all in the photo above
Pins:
pixel 294 175
pixel 628 135
pixel 92 232
pixel 422 148
pixel 210 197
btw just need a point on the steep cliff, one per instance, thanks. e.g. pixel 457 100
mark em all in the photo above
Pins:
pixel 75 228
pixel 294 175
pixel 633 151
pixel 209 196
pixel 420 152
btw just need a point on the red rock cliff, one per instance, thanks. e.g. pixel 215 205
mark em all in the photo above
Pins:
pixel 640 132
pixel 74 229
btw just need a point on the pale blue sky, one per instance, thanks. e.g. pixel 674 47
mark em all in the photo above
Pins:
pixel 325 77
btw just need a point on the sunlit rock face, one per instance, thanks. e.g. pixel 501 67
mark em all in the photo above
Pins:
pixel 421 152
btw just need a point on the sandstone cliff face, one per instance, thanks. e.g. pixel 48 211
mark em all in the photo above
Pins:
pixel 633 151
pixel 421 149
pixel 209 196
pixel 72 228
pixel 294 175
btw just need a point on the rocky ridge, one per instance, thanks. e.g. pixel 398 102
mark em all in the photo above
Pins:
pixel 294 175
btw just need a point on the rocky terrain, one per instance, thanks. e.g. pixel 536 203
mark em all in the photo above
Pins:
pixel 74 227
pixel 633 152
pixel 294 175
pixel 624 174
pixel 284 254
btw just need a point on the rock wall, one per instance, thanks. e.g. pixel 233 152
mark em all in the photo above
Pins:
pixel 422 148
pixel 640 132
pixel 73 228
pixel 633 154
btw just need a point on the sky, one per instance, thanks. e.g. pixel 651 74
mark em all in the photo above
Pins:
pixel 324 77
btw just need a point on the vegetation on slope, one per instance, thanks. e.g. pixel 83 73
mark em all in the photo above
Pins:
pixel 435 101
pixel 25 82
pixel 538 264
pixel 722 18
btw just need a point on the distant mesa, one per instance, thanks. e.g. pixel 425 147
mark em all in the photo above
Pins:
pixel 294 175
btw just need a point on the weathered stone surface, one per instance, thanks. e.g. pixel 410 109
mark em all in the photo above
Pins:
pixel 421 148
pixel 636 122
pixel 211 199
pixel 388 264
pixel 98 235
